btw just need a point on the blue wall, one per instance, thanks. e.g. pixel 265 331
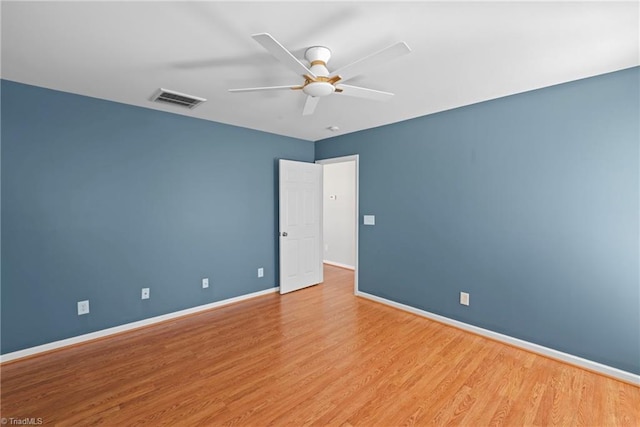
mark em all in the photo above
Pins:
pixel 529 203
pixel 101 199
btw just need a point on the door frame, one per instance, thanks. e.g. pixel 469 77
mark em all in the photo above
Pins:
pixel 343 159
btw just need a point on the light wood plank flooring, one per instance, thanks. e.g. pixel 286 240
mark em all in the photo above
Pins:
pixel 317 356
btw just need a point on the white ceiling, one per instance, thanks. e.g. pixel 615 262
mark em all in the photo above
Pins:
pixel 462 53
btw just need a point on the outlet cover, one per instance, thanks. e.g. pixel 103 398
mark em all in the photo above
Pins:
pixel 205 283
pixel 464 298
pixel 261 272
pixel 83 307
pixel 145 293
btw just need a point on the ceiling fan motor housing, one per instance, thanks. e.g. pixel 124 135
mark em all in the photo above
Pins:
pixel 318 56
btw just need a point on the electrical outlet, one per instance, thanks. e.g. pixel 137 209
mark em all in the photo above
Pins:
pixel 205 283
pixel 145 293
pixel 261 272
pixel 83 307
pixel 464 298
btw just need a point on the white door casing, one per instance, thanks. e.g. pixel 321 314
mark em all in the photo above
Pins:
pixel 352 158
pixel 300 225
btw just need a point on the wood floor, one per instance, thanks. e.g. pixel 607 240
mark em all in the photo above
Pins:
pixel 317 356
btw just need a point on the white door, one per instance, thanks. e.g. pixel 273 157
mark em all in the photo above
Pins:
pixel 300 225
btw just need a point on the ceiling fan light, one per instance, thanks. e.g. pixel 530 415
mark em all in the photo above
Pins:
pixel 319 89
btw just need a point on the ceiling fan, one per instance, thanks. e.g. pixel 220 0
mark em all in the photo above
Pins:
pixel 318 80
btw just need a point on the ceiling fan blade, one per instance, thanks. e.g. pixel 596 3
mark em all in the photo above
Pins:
pixel 363 92
pixel 310 105
pixel 282 54
pixel 370 62
pixel 256 89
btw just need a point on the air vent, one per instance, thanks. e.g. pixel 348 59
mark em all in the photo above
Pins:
pixel 177 98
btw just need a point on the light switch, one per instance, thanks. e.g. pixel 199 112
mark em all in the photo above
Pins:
pixel 369 220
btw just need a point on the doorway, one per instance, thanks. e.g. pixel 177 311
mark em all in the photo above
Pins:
pixel 341 213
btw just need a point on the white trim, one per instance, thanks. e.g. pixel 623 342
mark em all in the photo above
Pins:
pixel 590 365
pixel 339 264
pixel 127 327
pixel 351 158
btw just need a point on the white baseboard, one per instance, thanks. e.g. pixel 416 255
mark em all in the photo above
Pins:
pixel 590 365
pixel 339 264
pixel 127 327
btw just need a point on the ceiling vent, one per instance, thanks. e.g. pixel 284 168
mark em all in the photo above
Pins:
pixel 177 98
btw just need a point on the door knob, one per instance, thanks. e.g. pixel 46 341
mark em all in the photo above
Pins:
pixel 284 234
